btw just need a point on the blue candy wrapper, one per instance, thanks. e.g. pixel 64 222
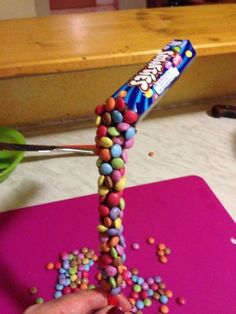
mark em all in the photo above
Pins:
pixel 144 90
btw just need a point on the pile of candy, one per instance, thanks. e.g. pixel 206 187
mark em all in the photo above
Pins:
pixel 115 133
pixel 74 275
pixel 73 271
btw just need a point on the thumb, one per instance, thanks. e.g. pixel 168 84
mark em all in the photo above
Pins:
pixel 77 303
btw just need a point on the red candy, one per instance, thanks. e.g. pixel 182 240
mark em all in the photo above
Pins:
pixel 101 131
pixel 143 294
pixel 130 116
pixel 113 199
pixel 66 290
pixel 103 210
pixel 104 260
pixel 135 295
pixel 120 103
pixel 99 109
pixel 57 265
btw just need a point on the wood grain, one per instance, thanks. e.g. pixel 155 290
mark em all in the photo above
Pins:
pixel 95 40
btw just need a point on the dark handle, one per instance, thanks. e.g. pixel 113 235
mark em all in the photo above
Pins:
pixel 226 111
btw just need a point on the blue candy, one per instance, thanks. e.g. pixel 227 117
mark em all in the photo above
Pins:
pixel 139 304
pixel 86 267
pixel 150 292
pixel 112 232
pixel 114 213
pixel 105 169
pixel 140 281
pixel 117 117
pixel 157 279
pixel 62 271
pixel 116 150
pixel 67 282
pixel 130 133
pixel 59 287
pixel 57 294
pixel 115 291
pixel 163 299
pixel 134 278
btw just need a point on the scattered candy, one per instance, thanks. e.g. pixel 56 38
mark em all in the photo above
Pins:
pixel 151 240
pixel 162 252
pixel 164 309
pixel 135 246
pixel 39 300
pixel 33 290
pixel 50 266
pixel 181 300
pixel 151 154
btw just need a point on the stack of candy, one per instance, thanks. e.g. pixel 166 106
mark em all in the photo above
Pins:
pixel 115 133
pixel 73 271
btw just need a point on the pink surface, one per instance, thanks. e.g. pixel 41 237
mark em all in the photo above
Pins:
pixel 183 213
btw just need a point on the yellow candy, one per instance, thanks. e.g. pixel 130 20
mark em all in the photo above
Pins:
pixel 120 185
pixel 103 190
pixel 101 180
pixel 149 93
pixel 73 277
pixel 106 142
pixel 117 223
pixel 85 260
pixel 98 120
pixel 188 54
pixel 101 228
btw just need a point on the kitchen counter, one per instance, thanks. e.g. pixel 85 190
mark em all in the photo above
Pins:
pixel 185 140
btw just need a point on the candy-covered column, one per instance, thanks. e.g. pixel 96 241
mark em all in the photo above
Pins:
pixel 115 133
pixel 115 122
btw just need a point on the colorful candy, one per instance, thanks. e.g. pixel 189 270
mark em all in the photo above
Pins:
pixel 115 133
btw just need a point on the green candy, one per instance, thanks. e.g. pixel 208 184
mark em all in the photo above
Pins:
pixel 147 302
pixel 39 300
pixel 122 203
pixel 113 252
pixel 70 257
pixel 72 271
pixel 117 163
pixel 137 288
pixel 99 162
pixel 113 131
pixel 112 281
pixel 91 287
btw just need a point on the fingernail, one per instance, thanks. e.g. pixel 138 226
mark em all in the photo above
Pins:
pixel 115 310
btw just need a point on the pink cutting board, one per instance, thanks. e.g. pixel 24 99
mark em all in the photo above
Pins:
pixel 183 213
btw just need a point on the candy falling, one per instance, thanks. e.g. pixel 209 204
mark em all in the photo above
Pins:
pixel 115 133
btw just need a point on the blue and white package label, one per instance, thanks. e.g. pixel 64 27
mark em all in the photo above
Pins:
pixel 144 90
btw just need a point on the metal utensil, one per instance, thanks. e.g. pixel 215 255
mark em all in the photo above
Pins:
pixel 81 149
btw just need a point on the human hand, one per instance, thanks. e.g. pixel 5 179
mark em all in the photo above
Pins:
pixel 84 302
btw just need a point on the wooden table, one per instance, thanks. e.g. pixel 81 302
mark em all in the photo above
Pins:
pixel 60 67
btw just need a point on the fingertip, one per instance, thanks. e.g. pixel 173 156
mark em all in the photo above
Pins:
pixel 123 302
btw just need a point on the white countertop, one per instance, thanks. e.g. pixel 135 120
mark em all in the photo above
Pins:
pixel 186 141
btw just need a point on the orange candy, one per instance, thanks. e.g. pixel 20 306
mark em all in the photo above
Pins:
pixel 110 104
pixel 163 259
pixel 122 93
pixel 169 293
pixel 164 309
pixel 83 286
pixel 161 246
pixel 114 241
pixel 50 266
pixel 105 154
